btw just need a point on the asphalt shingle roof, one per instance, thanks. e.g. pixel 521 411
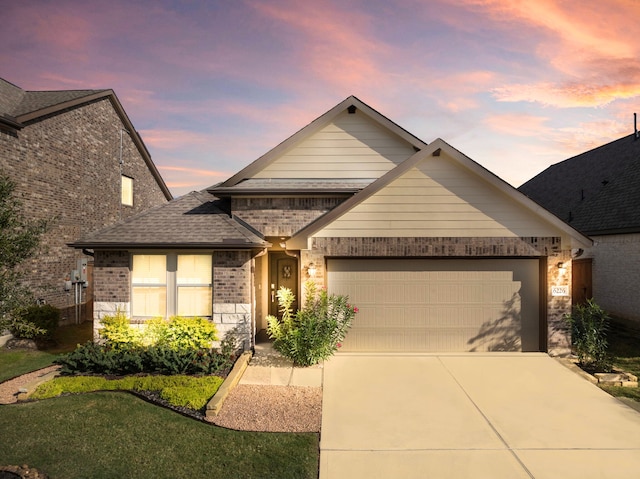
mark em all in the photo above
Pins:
pixel 293 186
pixel 194 220
pixel 596 192
pixel 14 101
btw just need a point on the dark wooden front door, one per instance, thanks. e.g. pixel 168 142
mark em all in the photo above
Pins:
pixel 581 281
pixel 283 272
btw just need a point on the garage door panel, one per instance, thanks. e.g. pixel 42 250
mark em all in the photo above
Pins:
pixel 439 305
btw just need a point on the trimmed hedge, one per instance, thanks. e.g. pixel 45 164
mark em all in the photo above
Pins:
pixel 93 358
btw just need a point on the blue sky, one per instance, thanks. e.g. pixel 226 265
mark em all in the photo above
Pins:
pixel 212 85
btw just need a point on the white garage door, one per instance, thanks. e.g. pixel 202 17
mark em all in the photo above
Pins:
pixel 440 305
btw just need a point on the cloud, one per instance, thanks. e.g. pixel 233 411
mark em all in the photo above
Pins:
pixel 518 124
pixel 591 46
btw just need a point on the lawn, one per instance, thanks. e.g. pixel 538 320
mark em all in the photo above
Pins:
pixel 15 363
pixel 624 347
pixel 115 434
pixel 106 435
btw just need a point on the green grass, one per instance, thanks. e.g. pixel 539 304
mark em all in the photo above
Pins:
pixel 106 435
pixel 16 362
pixel 624 347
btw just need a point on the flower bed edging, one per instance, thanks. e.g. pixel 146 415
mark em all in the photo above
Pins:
pixel 215 404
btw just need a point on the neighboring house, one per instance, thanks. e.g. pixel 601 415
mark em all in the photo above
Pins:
pixel 598 193
pixel 436 252
pixel 77 161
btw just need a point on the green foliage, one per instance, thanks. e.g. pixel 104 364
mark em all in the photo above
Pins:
pixel 589 326
pixel 37 322
pixel 118 332
pixel 19 239
pixel 93 358
pixel 185 391
pixel 176 333
pixel 181 333
pixel 314 333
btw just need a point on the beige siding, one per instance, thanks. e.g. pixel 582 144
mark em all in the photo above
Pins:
pixel 440 305
pixel 352 146
pixel 438 198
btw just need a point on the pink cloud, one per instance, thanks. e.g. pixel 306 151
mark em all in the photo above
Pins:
pixel 336 45
pixel 518 124
pixel 596 61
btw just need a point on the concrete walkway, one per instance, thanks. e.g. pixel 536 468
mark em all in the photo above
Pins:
pixel 471 416
pixel 268 367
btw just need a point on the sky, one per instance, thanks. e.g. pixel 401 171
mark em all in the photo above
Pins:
pixel 212 85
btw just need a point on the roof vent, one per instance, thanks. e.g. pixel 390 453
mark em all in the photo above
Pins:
pixel 351 109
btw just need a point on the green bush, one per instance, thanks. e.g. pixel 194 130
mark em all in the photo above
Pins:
pixel 93 358
pixel 175 333
pixel 183 391
pixel 314 333
pixel 117 331
pixel 589 326
pixel 181 333
pixel 37 322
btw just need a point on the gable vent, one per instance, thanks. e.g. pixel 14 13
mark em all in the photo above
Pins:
pixel 351 109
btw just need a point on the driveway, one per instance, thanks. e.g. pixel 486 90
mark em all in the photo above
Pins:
pixel 495 416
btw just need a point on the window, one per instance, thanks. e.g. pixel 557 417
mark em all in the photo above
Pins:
pixel 126 190
pixel 173 284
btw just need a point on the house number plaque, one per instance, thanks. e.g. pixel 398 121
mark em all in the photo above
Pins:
pixel 559 290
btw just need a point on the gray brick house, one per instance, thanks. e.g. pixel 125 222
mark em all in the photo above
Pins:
pixel 436 252
pixel 76 159
pixel 598 193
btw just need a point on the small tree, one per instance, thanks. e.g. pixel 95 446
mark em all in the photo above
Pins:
pixel 19 239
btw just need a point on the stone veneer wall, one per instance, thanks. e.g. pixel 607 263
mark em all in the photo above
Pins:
pixel 281 216
pixel 232 295
pixel 558 335
pixel 66 169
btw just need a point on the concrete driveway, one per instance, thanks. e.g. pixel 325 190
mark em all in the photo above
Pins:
pixel 492 416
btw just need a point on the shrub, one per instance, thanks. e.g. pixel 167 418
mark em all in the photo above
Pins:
pixel 118 332
pixel 181 333
pixel 589 326
pixel 93 358
pixel 315 332
pixel 37 322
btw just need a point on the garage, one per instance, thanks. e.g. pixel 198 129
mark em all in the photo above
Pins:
pixel 440 305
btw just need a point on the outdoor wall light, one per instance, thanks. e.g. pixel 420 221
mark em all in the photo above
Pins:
pixel 561 268
pixel 311 270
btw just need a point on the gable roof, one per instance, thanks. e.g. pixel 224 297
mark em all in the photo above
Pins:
pixel 194 220
pixel 435 149
pixel 19 108
pixel 596 192
pixel 349 104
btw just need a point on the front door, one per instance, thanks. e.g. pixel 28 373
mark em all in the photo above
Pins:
pixel 283 272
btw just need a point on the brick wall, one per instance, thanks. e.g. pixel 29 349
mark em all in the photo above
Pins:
pixel 66 168
pixel 281 216
pixel 616 274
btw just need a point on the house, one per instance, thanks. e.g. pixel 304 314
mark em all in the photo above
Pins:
pixel 436 252
pixel 77 161
pixel 598 193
